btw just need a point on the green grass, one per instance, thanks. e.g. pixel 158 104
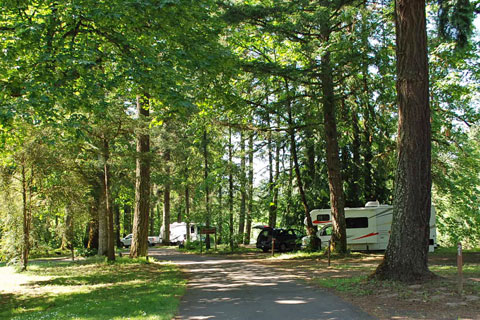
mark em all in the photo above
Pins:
pixel 352 285
pixel 92 289
pixel 453 250
pixel 468 270
pixel 304 255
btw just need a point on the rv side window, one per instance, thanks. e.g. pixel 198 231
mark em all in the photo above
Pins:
pixel 354 223
pixel 323 217
pixel 192 229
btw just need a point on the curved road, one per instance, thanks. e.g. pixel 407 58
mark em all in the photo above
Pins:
pixel 241 289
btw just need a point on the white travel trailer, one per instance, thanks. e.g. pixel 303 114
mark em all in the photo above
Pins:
pixel 368 228
pixel 178 232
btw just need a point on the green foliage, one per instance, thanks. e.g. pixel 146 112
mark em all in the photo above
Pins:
pixel 457 194
pixel 127 289
pixel 70 75
pixel 455 20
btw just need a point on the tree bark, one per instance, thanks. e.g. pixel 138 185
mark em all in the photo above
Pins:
pixel 102 219
pixel 108 202
pixel 230 187
pixel 272 211
pixel 243 191
pixel 250 190
pixel 337 199
pixel 311 229
pixel 127 219
pixel 357 164
pixel 220 214
pixel 368 114
pixel 26 218
pixel 166 201
pixel 276 186
pixel 69 231
pixel 187 210
pixel 139 247
pixel 116 210
pixel 406 257
pixel 310 154
pixel 92 242
pixel 207 189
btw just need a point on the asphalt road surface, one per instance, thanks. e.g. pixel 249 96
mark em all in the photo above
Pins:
pixel 242 289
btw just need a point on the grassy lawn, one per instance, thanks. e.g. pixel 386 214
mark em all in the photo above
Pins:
pixel 91 289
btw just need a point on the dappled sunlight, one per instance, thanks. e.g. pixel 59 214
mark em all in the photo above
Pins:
pixel 226 276
pixel 30 283
pixel 342 276
pixel 220 288
pixel 291 301
pixel 16 282
pixel 108 291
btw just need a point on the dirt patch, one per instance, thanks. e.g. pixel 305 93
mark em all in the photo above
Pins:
pixel 437 299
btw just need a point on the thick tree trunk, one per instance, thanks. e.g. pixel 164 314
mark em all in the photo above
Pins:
pixel 406 258
pixel 243 191
pixel 250 190
pixel 337 199
pixel 139 247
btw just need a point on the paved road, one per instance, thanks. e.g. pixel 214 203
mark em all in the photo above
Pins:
pixel 241 289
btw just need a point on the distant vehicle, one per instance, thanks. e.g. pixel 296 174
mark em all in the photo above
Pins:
pixel 178 232
pixel 285 239
pixel 127 241
pixel 368 228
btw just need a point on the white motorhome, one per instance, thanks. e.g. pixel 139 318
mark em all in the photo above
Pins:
pixel 368 228
pixel 178 232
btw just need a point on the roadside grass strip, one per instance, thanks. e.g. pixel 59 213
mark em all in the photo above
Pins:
pixel 353 285
pixel 91 289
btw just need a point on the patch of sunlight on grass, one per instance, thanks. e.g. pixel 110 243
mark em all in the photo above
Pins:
pixel 472 269
pixel 299 255
pixel 127 289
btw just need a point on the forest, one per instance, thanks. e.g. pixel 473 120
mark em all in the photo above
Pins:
pixel 121 117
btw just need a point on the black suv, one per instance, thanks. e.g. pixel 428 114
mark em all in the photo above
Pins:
pixel 285 239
